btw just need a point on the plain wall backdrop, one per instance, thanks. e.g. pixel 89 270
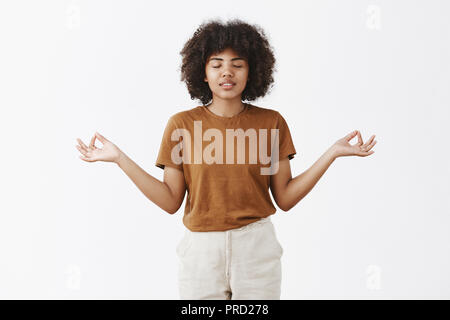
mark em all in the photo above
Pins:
pixel 372 228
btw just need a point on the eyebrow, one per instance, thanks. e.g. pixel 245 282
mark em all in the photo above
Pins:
pixel 220 59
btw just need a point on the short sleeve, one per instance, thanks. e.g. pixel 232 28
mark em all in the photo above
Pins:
pixel 287 148
pixel 167 145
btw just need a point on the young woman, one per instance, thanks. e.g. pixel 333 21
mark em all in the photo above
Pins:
pixel 227 154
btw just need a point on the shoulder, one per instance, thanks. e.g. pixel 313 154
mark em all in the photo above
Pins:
pixel 185 115
pixel 271 116
pixel 265 111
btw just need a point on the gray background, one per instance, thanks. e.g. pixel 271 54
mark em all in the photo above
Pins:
pixel 372 228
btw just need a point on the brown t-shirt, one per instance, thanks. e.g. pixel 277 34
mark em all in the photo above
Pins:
pixel 227 163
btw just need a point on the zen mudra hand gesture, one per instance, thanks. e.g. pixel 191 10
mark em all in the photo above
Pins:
pixel 108 153
pixel 343 148
pixel 111 153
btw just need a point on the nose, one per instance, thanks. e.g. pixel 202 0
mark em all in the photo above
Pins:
pixel 227 71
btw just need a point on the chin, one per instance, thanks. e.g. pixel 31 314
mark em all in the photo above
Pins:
pixel 228 96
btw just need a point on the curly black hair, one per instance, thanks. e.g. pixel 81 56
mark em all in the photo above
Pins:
pixel 213 36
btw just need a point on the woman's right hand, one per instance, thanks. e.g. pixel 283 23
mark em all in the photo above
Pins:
pixel 109 153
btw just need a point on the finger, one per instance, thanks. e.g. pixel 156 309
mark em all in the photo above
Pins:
pixel 365 150
pixel 365 154
pixel 85 153
pixel 92 144
pixel 86 159
pixel 82 145
pixel 370 146
pixel 360 140
pixel 80 149
pixel 350 136
pixel 101 138
pixel 367 144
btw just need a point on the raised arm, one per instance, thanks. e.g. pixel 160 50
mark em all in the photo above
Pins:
pixel 167 194
pixel 288 191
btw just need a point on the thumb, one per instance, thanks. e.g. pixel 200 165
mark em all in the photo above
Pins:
pixel 100 137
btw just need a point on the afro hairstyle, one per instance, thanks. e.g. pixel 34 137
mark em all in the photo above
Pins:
pixel 213 36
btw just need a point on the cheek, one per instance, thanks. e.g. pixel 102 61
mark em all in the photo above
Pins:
pixel 244 73
pixel 211 74
pixel 210 77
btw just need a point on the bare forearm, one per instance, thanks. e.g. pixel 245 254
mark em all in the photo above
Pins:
pixel 298 187
pixel 155 190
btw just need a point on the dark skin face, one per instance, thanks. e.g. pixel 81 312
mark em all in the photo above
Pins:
pixel 224 66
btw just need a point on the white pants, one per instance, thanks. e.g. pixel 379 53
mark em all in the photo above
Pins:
pixel 237 264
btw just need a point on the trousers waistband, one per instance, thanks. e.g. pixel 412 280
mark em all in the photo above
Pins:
pixel 249 226
pixel 253 224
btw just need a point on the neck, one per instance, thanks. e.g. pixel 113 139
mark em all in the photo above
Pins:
pixel 226 108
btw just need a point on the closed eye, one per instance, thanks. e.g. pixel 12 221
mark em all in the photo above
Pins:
pixel 233 66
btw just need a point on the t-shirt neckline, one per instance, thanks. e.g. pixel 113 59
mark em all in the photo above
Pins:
pixel 209 112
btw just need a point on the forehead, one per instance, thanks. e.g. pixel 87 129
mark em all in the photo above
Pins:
pixel 227 54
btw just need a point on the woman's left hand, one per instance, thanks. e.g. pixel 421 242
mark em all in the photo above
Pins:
pixel 343 148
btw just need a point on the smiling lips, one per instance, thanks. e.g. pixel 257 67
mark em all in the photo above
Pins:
pixel 227 85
